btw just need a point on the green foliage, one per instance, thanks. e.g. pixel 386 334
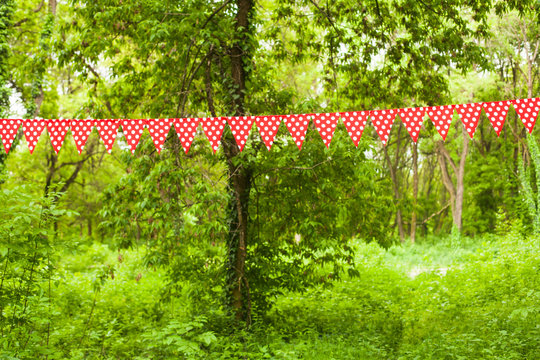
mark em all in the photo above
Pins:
pixel 187 340
pixel 325 275
pixel 27 252
pixel 531 192
pixel 383 52
pixel 441 298
pixel 300 199
pixel 6 13
pixel 173 204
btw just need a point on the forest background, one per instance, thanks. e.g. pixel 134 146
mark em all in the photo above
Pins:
pixel 423 250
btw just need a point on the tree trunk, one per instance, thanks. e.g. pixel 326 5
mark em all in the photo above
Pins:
pixel 52 7
pixel 392 167
pixel 240 173
pixel 415 192
pixel 460 186
pixel 240 177
pixel 456 190
pixel 447 179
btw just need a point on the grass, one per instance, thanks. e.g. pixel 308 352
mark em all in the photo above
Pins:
pixel 485 305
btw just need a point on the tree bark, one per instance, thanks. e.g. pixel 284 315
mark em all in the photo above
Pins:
pixel 392 167
pixel 460 186
pixel 415 192
pixel 239 182
pixel 52 7
pixel 456 190
pixel 240 173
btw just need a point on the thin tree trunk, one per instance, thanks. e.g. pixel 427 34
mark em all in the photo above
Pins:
pixel 456 190
pixel 392 167
pixel 52 7
pixel 415 192
pixel 460 186
pixel 446 178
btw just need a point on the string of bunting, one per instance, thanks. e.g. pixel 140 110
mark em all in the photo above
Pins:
pixel 326 123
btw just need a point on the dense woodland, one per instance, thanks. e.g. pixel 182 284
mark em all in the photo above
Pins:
pixel 426 250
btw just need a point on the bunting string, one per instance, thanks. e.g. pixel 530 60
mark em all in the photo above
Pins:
pixel 355 123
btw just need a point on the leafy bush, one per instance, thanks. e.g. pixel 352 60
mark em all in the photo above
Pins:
pixel 27 254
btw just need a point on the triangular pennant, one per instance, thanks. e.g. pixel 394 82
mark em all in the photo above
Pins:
pixel 298 125
pixel 8 131
pixel 527 110
pixel 32 132
pixel 268 127
pixel 132 130
pixel 213 129
pixel 80 130
pixel 326 125
pixel 159 128
pixel 355 123
pixel 186 128
pixel 441 117
pixel 108 129
pixel 383 121
pixel 496 113
pixel 470 116
pixel 240 128
pixel 413 118
pixel 57 130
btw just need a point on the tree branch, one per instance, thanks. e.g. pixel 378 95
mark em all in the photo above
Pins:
pixel 39 6
pixel 325 14
pixel 214 13
pixel 436 213
pixel 447 180
pixel 20 22
pixel 446 154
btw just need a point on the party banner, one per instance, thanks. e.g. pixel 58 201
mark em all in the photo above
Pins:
pixel 267 126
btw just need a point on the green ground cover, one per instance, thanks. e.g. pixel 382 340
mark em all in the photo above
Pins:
pixel 451 298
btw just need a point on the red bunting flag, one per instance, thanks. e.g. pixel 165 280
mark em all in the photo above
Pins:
pixel 441 117
pixel 240 127
pixel 57 130
pixel 8 131
pixel 355 123
pixel 159 129
pixel 213 128
pixel 186 129
pixel 297 126
pixel 32 132
pixel 496 113
pixel 80 130
pixel 326 125
pixel 108 130
pixel 527 110
pixel 268 127
pixel 470 116
pixel 383 121
pixel 132 130
pixel 413 118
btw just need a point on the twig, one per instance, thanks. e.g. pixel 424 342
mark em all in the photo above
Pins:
pixel 326 15
pixel 429 7
pixel 436 213
pixel 215 13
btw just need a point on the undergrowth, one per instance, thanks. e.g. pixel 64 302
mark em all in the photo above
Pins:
pixel 438 299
